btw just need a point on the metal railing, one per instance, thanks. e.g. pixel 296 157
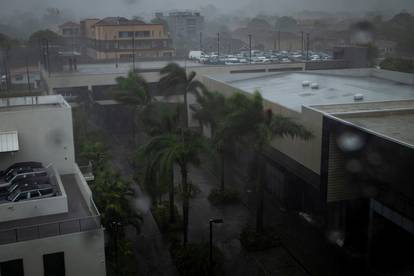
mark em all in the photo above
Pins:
pixel 58 228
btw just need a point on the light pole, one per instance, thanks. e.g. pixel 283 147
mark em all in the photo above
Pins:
pixel 307 46
pixel 116 225
pixel 211 242
pixel 201 41
pixel 218 46
pixel 250 48
pixel 302 42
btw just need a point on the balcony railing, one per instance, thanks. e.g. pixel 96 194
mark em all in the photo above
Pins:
pixel 58 228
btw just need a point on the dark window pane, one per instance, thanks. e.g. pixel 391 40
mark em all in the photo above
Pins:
pixel 12 268
pixel 54 264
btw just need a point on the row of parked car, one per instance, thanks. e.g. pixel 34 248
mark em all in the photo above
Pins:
pixel 257 56
pixel 25 181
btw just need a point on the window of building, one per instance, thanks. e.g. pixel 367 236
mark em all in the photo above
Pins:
pixel 12 268
pixel 142 34
pixel 18 77
pixel 54 264
pixel 125 34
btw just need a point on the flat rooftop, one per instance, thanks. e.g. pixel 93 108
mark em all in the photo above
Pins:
pixel 51 224
pixel 396 125
pixel 21 103
pixel 110 68
pixel 286 89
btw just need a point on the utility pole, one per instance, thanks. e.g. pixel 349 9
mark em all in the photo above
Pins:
pixel 201 41
pixel 211 263
pixel 28 75
pixel 278 39
pixel 133 52
pixel 218 46
pixel 302 42
pixel 307 46
pixel 117 52
pixel 47 57
pixel 250 48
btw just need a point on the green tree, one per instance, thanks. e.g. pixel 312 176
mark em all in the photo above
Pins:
pixel 398 64
pixel 176 81
pixel 181 149
pixel 258 127
pixel 7 42
pixel 95 151
pixel 111 193
pixel 41 35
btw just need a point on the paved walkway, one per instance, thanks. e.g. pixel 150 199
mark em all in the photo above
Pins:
pixel 277 261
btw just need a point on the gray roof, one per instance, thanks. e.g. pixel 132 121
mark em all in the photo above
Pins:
pixel 286 89
pixel 394 125
pixel 110 21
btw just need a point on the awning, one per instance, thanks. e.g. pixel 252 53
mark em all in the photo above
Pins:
pixel 9 141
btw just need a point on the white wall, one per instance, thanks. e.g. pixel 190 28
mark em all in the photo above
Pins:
pixel 45 134
pixel 84 253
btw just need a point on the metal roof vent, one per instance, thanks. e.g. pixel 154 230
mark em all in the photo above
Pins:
pixel 305 83
pixel 358 97
pixel 314 85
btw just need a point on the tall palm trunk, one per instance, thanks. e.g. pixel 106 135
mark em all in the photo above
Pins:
pixel 260 193
pixel 186 109
pixel 185 203
pixel 171 194
pixel 222 171
pixel 134 115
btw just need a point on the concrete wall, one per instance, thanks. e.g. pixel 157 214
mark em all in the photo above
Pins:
pixel 393 76
pixel 45 134
pixel 85 190
pixel 326 64
pixel 84 253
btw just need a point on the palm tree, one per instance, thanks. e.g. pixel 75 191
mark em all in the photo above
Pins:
pixel 211 110
pixel 175 80
pixel 181 149
pixel 159 118
pixel 133 90
pixel 258 127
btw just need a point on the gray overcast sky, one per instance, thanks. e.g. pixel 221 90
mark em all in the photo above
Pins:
pixel 84 8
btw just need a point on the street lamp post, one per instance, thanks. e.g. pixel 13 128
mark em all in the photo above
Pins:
pixel 116 225
pixel 211 242
pixel 218 46
pixel 250 48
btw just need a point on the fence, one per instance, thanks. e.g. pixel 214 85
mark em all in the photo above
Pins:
pixel 58 228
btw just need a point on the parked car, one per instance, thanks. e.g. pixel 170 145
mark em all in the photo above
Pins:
pixel 19 173
pixel 30 192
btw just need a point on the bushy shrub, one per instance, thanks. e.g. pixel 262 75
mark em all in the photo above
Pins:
pixel 254 241
pixel 161 213
pixel 193 259
pixel 219 197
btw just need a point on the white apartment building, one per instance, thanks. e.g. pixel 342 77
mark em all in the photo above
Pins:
pixel 59 235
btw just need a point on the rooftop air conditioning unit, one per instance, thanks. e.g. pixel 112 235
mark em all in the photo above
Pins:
pixel 358 97
pixel 305 83
pixel 314 85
